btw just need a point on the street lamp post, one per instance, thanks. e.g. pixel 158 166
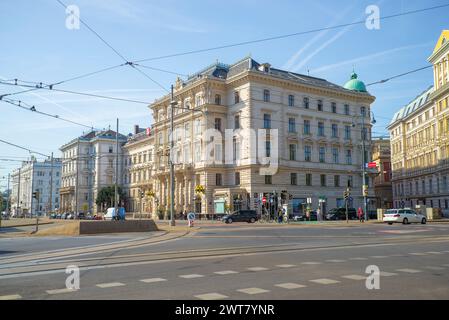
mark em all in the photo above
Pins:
pixel 364 185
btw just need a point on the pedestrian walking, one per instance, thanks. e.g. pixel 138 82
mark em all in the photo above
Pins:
pixel 318 214
pixel 360 215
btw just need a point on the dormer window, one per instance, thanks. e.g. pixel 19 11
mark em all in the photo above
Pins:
pixel 265 67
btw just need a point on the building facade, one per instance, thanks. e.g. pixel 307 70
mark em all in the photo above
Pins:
pixel 138 171
pixel 36 176
pixel 381 155
pixel 247 131
pixel 88 165
pixel 420 141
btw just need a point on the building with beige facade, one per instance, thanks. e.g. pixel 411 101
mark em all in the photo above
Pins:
pixel 246 131
pixel 420 140
pixel 88 165
pixel 381 155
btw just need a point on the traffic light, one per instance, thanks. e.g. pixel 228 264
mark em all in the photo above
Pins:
pixel 142 194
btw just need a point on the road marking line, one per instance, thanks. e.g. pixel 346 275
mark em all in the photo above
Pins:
pixel 285 265
pixel 225 272
pixel 311 262
pixel 354 277
pixel 408 270
pixel 290 285
pixel 434 252
pixel 211 296
pixel 257 269
pixel 435 268
pixel 151 280
pixel 378 257
pixel 387 274
pixel 191 276
pixel 418 254
pixel 11 297
pixel 110 285
pixel 358 258
pixel 324 281
pixel 335 260
pixel 253 290
pixel 59 291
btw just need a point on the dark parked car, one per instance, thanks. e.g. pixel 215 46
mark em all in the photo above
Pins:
pixel 81 216
pixel 340 214
pixel 249 216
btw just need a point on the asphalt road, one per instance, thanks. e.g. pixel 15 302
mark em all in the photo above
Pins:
pixel 244 261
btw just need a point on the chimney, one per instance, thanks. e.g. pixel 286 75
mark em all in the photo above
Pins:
pixel 136 129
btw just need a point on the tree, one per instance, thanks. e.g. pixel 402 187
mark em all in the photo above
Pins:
pixel 106 196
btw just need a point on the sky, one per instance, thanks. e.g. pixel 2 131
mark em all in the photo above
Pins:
pixel 37 46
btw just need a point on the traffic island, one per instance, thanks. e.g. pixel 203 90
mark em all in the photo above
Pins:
pixel 81 227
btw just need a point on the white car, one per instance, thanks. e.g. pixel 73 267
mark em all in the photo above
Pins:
pixel 404 216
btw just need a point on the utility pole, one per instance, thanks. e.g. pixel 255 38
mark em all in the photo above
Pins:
pixel 116 173
pixel 77 176
pixel 172 165
pixel 51 184
pixel 8 196
pixel 18 194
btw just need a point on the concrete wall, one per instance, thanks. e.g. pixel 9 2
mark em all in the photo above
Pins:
pixel 94 227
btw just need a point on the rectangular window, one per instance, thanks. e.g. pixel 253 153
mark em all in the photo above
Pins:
pixel 347 109
pixel 266 95
pixel 350 182
pixel 322 154
pixel 334 107
pixel 236 97
pixel 348 156
pixel 267 148
pixel 237 121
pixel 320 129
pixel 363 111
pixel 308 179
pixel 293 179
pixel 323 180
pixel 320 105
pixel 306 126
pixel 291 125
pixel 336 181
pixel 267 121
pixel 218 181
pixel 291 100
pixel 292 148
pixel 307 153
pixel 347 132
pixel 237 178
pixel 218 124
pixel 268 179
pixel 334 130
pixel 236 149
pixel 305 102
pixel 335 155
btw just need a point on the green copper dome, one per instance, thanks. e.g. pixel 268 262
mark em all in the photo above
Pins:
pixel 355 84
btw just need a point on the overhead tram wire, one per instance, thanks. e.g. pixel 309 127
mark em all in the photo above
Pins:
pixel 23 148
pixel 399 75
pixel 37 86
pixel 32 108
pixel 278 37
pixel 127 62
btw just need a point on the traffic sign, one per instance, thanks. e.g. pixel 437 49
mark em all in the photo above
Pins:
pixel 191 216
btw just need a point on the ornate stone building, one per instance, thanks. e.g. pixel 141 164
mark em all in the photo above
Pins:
pixel 382 182
pixel 88 165
pixel 308 129
pixel 420 140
